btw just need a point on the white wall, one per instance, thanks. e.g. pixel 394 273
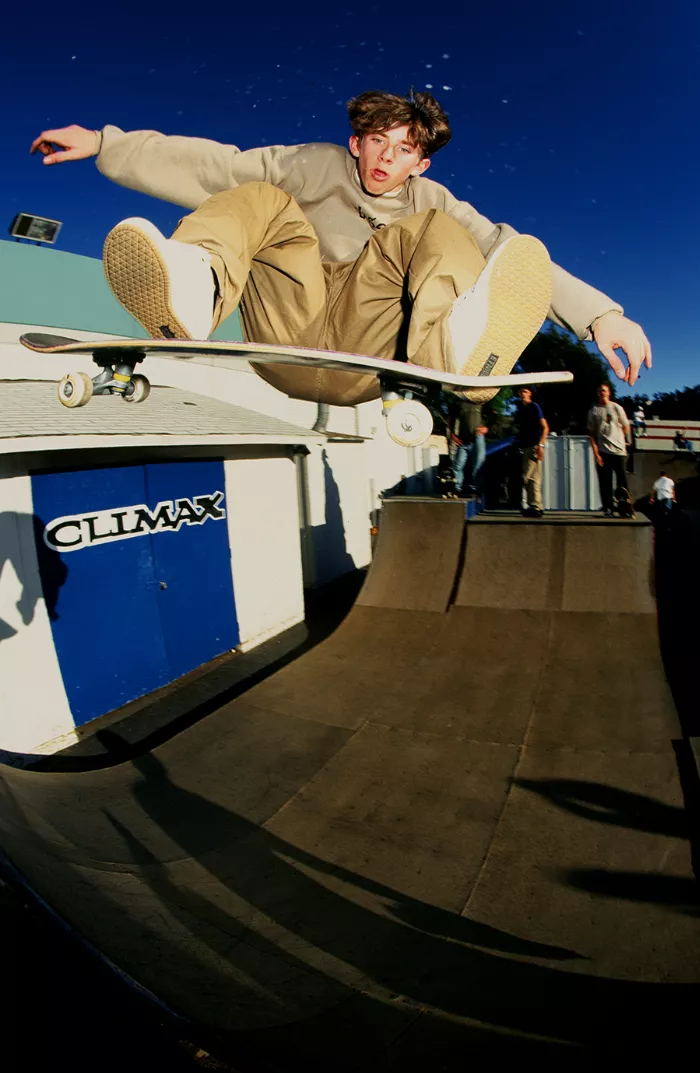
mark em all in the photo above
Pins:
pixel 263 525
pixel 34 712
pixel 338 508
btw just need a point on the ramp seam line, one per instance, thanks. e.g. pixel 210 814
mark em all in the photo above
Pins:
pixel 540 680
pixel 324 767
pixel 516 767
pixel 459 568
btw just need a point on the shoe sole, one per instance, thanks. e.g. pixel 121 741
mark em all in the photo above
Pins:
pixel 139 279
pixel 518 299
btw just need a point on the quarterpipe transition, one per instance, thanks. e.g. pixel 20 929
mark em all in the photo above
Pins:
pixel 451 833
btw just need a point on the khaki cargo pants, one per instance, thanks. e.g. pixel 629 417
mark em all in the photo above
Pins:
pixel 392 302
pixel 532 478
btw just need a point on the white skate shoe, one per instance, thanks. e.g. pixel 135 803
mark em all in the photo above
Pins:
pixel 492 323
pixel 168 286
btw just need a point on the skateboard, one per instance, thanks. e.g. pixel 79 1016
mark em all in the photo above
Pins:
pixel 407 390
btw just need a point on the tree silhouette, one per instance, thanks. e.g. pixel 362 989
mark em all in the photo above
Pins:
pixel 565 405
pixel 681 405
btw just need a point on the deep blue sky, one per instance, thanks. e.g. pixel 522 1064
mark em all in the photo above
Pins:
pixel 578 122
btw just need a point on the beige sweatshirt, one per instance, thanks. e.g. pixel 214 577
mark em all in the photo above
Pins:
pixel 323 179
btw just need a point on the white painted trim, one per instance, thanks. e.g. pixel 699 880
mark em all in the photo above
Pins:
pixel 30 444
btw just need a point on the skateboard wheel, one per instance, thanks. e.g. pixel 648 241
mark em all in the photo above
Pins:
pixel 409 423
pixel 138 389
pixel 75 389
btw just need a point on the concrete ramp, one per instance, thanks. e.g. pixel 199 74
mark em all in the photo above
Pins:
pixel 451 834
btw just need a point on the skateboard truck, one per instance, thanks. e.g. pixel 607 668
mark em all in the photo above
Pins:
pixel 116 378
pixel 409 422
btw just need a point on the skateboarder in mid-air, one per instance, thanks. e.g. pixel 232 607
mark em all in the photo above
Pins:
pixel 355 251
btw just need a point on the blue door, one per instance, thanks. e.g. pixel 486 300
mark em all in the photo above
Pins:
pixel 146 592
pixel 192 567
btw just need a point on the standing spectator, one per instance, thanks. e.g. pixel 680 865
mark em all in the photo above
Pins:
pixel 664 493
pixel 531 431
pixel 609 432
pixel 640 424
pixel 467 447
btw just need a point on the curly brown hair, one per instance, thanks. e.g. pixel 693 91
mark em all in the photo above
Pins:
pixel 427 122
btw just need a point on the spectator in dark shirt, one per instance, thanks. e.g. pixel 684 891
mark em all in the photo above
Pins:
pixel 531 429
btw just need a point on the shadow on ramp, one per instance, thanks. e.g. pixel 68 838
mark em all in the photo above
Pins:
pixel 452 832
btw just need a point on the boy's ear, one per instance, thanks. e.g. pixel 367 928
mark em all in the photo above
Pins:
pixel 421 167
pixel 354 144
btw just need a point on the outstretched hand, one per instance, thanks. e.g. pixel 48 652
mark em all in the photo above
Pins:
pixel 74 143
pixel 615 331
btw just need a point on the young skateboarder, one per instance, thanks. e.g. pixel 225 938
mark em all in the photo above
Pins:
pixel 353 251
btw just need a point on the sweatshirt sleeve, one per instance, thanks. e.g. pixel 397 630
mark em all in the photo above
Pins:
pixel 186 171
pixel 575 304
pixel 622 416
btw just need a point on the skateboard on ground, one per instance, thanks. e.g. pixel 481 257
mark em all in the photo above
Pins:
pixel 407 390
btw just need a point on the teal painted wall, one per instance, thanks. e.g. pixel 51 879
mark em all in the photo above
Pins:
pixel 52 289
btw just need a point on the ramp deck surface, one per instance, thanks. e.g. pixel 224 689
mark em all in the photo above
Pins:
pixel 450 834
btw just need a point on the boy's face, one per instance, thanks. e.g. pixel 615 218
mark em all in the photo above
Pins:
pixel 525 395
pixel 385 159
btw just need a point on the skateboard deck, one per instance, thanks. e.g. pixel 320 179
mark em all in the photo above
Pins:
pixel 236 355
pixel 118 357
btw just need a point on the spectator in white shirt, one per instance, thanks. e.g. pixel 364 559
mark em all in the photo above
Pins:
pixel 664 492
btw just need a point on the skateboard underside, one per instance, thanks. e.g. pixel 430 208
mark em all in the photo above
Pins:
pixel 408 391
pixel 237 355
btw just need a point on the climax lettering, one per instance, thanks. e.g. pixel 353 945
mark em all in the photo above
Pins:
pixel 160 518
pixel 54 537
pixel 73 532
pixel 210 506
